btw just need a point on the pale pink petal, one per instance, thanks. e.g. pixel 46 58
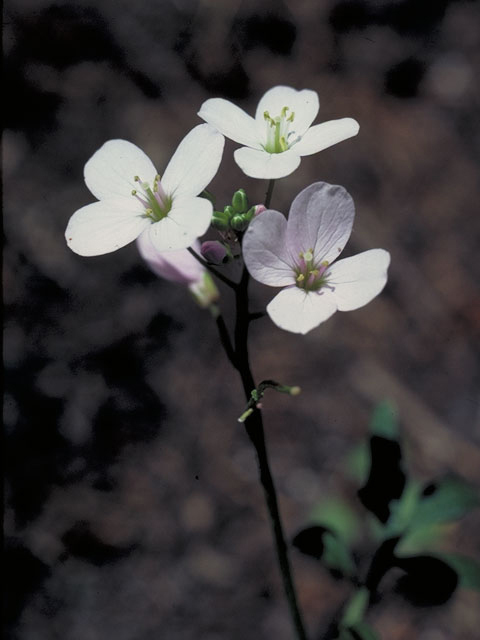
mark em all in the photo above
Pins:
pixel 321 218
pixel 188 219
pixel 230 120
pixel 322 136
pixel 299 311
pixel 105 226
pixel 264 250
pixel 304 105
pixel 359 279
pixel 176 266
pixel 260 164
pixel 194 163
pixel 111 170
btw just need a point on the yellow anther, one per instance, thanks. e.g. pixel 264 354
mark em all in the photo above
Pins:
pixel 283 112
pixel 325 263
pixel 136 178
pixel 300 277
pixel 291 117
pixel 134 192
pixel 314 272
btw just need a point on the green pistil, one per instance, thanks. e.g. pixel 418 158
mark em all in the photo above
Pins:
pixel 153 209
pixel 277 130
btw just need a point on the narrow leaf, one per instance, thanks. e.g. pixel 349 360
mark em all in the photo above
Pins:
pixel 468 569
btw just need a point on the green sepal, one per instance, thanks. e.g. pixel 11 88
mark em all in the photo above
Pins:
pixel 239 222
pixel 240 201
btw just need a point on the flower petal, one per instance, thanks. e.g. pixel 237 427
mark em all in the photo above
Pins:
pixel 264 250
pixel 324 135
pixel 321 218
pixel 194 163
pixel 304 105
pixel 176 266
pixel 188 219
pixel 300 311
pixel 357 280
pixel 111 170
pixel 105 226
pixel 260 164
pixel 230 120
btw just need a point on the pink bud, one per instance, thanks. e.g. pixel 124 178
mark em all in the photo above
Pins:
pixel 215 252
pixel 259 208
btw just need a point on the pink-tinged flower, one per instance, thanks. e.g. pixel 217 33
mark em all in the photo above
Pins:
pixel 298 253
pixel 279 134
pixel 180 266
pixel 134 199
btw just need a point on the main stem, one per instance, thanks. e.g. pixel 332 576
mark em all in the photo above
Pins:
pixel 255 431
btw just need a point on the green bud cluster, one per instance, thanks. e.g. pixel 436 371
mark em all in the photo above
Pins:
pixel 236 216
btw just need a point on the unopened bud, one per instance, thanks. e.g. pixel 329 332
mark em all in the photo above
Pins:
pixel 205 291
pixel 240 201
pixel 216 252
pixel 259 208
pixel 221 221
pixel 229 210
pixel 239 222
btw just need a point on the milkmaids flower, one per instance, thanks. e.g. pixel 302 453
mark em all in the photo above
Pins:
pixel 180 266
pixel 297 254
pixel 134 199
pixel 279 134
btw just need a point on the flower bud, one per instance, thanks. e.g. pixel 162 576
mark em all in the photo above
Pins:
pixel 239 222
pixel 240 201
pixel 221 221
pixel 215 252
pixel 229 211
pixel 259 208
pixel 204 291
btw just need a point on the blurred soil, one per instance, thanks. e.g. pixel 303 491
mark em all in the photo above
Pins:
pixel 133 509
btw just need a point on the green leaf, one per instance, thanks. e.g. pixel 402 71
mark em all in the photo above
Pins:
pixel 451 499
pixel 355 608
pixel 357 463
pixel 338 516
pixel 336 555
pixel 427 538
pixel 468 569
pixel 402 510
pixel 364 631
pixel 384 421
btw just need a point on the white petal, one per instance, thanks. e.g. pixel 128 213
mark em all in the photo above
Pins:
pixel 194 163
pixel 177 266
pixel 230 120
pixel 299 311
pixel 320 218
pixel 111 170
pixel 324 135
pixel 260 164
pixel 264 250
pixel 359 279
pixel 188 219
pixel 304 105
pixel 105 226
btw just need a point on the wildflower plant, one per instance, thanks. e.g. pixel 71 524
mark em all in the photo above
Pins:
pixel 299 255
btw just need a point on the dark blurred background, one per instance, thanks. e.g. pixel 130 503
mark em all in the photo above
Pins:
pixel 133 509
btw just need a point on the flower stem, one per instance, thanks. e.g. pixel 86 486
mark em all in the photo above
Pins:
pixel 220 276
pixel 268 195
pixel 254 428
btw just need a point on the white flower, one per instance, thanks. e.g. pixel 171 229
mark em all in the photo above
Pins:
pixel 279 134
pixel 297 254
pixel 132 198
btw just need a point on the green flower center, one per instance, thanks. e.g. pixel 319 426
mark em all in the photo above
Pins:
pixel 278 131
pixel 156 202
pixel 310 275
